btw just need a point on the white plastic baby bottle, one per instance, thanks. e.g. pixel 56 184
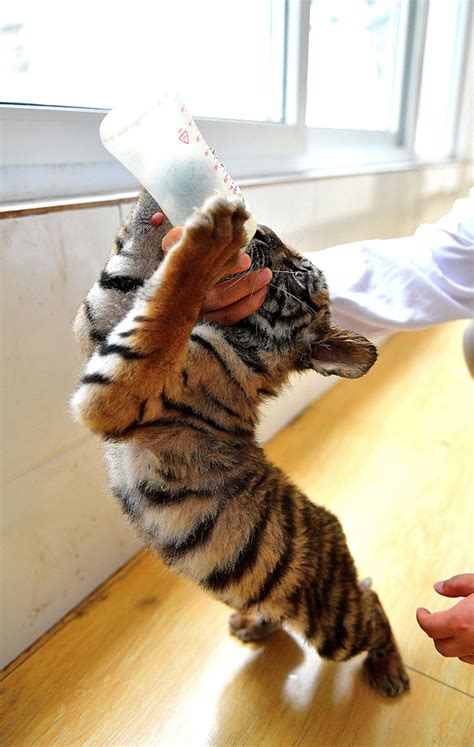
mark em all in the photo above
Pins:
pixel 160 144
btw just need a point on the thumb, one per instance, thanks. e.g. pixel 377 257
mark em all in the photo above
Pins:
pixel 422 614
pixel 457 586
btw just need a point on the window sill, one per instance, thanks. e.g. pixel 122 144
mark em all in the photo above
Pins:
pixel 38 207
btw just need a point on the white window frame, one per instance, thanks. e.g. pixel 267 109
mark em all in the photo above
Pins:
pixel 65 157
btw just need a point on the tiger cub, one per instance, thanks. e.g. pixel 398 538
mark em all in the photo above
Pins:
pixel 176 401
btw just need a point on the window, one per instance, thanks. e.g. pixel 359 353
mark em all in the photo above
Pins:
pixel 278 86
pixel 356 56
pixel 440 100
pixel 226 58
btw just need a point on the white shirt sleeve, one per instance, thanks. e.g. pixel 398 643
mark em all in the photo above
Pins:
pixel 404 283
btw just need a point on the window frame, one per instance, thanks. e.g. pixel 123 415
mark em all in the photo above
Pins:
pixel 52 164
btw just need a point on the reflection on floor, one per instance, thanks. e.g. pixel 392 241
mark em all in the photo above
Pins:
pixel 147 660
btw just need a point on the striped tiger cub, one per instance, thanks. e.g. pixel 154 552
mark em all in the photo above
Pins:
pixel 176 401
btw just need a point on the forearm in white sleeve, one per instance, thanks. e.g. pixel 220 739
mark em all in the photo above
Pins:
pixel 405 283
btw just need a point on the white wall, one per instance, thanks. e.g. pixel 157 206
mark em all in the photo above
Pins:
pixel 62 532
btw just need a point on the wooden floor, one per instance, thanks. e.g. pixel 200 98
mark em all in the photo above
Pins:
pixel 147 660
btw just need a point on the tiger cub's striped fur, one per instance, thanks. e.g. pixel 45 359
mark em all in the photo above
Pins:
pixel 176 401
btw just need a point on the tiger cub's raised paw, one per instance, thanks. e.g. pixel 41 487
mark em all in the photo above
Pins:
pixel 250 627
pixel 215 234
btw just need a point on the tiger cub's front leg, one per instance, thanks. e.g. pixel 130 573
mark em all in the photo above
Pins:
pixel 148 349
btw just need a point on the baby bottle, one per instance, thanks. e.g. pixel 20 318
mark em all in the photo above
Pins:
pixel 160 144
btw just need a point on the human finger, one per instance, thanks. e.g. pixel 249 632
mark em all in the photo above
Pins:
pixel 457 621
pixel 227 293
pixel 242 264
pixel 435 624
pixel 238 310
pixel 456 586
pixel 157 219
pixel 171 238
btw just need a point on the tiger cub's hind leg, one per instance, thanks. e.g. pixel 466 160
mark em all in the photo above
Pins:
pixel 383 664
pixel 250 626
pixel 346 618
pixel 357 623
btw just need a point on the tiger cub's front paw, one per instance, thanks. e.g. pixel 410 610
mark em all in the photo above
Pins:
pixel 214 236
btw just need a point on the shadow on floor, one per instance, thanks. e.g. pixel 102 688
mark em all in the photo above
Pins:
pixel 278 706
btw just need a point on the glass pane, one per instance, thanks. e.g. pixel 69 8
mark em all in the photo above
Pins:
pixel 355 67
pixel 225 58
pixel 440 80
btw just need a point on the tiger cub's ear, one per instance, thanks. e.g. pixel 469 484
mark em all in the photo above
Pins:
pixel 342 353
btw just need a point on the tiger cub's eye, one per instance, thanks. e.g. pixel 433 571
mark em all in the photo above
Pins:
pixel 300 275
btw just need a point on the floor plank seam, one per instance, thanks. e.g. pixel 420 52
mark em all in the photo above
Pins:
pixel 441 682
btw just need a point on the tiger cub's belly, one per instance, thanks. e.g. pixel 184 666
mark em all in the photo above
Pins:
pixel 164 511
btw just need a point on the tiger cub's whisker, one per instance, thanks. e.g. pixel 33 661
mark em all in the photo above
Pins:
pixel 287 293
